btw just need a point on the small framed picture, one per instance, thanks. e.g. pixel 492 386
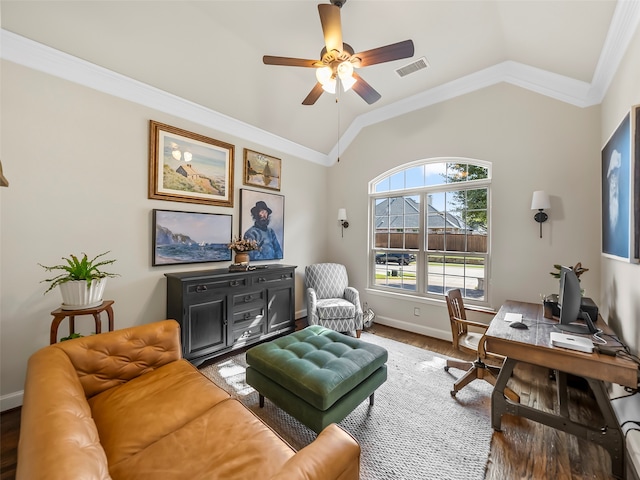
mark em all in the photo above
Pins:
pixel 262 220
pixel 262 170
pixel 189 237
pixel 187 167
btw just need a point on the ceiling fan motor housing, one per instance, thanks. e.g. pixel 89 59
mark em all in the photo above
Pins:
pixel 338 3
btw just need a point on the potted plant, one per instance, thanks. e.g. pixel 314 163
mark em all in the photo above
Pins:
pixel 81 282
pixel 550 302
pixel 242 247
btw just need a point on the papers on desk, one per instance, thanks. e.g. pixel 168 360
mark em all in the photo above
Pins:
pixel 513 317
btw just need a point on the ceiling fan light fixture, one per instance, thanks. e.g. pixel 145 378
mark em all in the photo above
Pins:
pixel 347 83
pixel 330 85
pixel 324 74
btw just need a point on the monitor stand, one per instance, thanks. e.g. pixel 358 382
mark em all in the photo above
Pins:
pixel 587 328
pixel 574 328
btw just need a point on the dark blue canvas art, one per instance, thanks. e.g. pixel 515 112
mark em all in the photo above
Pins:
pixel 616 192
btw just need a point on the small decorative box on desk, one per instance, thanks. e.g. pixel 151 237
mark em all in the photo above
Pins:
pixel 220 311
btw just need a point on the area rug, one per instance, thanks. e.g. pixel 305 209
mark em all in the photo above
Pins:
pixel 415 430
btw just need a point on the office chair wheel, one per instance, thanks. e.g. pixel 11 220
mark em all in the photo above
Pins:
pixel 446 368
pixel 453 393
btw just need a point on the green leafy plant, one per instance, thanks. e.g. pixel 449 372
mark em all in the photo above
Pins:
pixel 578 269
pixel 78 269
pixel 71 337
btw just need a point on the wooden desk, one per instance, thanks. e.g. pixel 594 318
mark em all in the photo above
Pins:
pixel 60 314
pixel 534 346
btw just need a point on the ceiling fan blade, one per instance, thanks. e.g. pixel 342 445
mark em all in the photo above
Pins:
pixel 314 94
pixel 366 91
pixel 387 53
pixel 331 27
pixel 290 62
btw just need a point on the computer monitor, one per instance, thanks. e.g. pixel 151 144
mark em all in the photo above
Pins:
pixel 570 301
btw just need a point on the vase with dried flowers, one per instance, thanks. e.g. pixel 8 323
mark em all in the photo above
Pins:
pixel 242 247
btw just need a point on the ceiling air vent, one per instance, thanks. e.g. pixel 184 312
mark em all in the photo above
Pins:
pixel 419 64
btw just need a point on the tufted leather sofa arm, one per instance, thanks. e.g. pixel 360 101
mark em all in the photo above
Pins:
pixel 109 359
pixel 311 462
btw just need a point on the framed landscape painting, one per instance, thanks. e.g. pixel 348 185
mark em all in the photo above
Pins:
pixel 189 237
pixel 618 172
pixel 262 220
pixel 187 167
pixel 262 170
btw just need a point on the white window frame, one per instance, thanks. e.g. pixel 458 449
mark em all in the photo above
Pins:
pixel 422 269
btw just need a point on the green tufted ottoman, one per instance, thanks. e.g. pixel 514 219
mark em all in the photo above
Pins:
pixel 317 375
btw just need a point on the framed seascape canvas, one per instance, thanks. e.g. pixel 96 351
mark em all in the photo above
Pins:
pixel 618 239
pixel 187 167
pixel 262 170
pixel 189 237
pixel 262 220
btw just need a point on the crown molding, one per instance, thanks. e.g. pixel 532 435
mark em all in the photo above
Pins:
pixel 626 18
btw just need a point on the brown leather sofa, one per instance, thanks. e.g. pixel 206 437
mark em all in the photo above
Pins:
pixel 124 405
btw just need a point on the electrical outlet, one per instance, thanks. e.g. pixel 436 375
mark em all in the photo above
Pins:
pixel 416 311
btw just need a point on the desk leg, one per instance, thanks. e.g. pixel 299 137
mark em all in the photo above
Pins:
pixel 562 393
pixel 610 436
pixel 500 404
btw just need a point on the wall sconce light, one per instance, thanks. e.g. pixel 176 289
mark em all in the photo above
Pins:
pixel 342 218
pixel 540 201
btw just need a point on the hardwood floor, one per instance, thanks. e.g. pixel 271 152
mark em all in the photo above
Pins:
pixel 523 450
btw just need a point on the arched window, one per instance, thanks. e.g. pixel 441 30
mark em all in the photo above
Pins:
pixel 430 228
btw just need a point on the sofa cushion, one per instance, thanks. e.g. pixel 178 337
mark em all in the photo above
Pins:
pixel 227 442
pixel 136 414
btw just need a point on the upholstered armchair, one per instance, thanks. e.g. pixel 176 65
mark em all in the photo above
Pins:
pixel 331 302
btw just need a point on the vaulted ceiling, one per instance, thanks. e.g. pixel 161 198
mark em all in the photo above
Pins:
pixel 209 54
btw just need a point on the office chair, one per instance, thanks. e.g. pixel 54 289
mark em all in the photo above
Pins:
pixel 472 342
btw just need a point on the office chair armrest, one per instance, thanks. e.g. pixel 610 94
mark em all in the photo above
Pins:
pixel 471 323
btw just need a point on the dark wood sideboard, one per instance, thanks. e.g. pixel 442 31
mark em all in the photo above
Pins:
pixel 220 311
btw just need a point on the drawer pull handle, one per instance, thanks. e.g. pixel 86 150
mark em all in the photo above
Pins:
pixel 234 283
pixel 283 276
pixel 261 279
pixel 247 299
pixel 201 288
pixel 247 316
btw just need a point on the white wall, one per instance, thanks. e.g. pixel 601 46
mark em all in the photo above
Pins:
pixel 534 143
pixel 77 163
pixel 620 291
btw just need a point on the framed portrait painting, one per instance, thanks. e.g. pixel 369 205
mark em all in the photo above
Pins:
pixel 187 167
pixel 618 236
pixel 190 237
pixel 262 220
pixel 262 170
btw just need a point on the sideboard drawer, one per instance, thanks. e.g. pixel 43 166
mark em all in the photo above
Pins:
pixel 264 277
pixel 249 330
pixel 248 298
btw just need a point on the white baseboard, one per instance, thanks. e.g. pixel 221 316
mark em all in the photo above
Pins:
pixel 11 400
pixel 412 327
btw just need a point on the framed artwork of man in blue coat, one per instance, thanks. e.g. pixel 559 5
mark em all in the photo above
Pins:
pixel 262 220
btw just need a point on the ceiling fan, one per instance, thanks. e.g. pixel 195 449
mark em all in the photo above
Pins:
pixel 338 60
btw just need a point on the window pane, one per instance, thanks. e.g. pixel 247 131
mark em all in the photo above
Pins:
pixel 396 270
pixel 474 278
pixel 414 177
pixel 435 174
pixel 397 181
pixel 456 172
pixel 382 186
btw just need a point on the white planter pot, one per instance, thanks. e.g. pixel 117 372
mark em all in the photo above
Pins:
pixel 76 295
